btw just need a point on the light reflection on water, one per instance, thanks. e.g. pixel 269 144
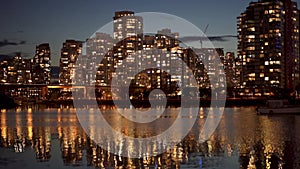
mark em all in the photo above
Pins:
pixel 53 138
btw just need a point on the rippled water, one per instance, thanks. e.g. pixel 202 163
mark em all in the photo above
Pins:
pixel 53 138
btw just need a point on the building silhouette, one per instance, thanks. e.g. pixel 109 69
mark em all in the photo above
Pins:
pixel 268 47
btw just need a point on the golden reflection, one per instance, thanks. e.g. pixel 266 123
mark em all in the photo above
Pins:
pixel 42 143
pixel 29 125
pixel 59 120
pixel 258 140
pixel 19 124
pixel 18 109
pixel 3 125
pixel 29 110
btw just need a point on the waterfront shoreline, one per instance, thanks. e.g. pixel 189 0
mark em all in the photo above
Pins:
pixel 229 102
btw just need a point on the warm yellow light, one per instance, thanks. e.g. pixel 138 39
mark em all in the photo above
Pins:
pixel 29 110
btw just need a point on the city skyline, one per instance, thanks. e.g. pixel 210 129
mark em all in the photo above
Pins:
pixel 168 57
pixel 150 84
pixel 54 25
pixel 261 30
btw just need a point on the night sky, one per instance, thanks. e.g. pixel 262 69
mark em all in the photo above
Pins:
pixel 54 21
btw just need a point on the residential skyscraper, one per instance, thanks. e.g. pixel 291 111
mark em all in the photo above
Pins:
pixel 17 70
pixel 11 70
pixel 126 25
pixel 229 68
pixel 42 64
pixel 23 72
pixel 128 34
pixel 128 39
pixel 268 47
pixel 69 53
pixel 99 47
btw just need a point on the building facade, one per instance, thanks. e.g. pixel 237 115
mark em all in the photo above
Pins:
pixel 229 68
pixel 268 47
pixel 25 79
pixel 126 25
pixel 99 59
pixel 42 64
pixel 69 53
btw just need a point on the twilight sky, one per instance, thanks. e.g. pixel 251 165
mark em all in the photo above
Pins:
pixel 54 21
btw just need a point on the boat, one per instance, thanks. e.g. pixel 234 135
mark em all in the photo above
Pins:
pixel 278 107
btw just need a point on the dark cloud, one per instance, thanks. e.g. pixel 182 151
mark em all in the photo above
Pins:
pixel 22 42
pixel 220 38
pixel 5 42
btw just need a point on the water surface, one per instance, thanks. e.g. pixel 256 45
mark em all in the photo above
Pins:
pixel 53 138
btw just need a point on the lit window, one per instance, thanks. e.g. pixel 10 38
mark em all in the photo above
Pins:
pixel 251 29
pixel 251 48
pixel 267 78
pixel 261 75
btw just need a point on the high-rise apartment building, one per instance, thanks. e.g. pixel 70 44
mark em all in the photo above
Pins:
pixel 126 25
pixel 42 64
pixel 17 70
pixel 228 61
pixel 268 47
pixel 99 57
pixel 128 38
pixel 11 70
pixel 69 53
pixel 211 70
pixel 19 73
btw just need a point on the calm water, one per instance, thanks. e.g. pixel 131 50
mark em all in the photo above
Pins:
pixel 53 138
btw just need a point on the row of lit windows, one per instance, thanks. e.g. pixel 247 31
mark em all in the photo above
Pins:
pixel 272 62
